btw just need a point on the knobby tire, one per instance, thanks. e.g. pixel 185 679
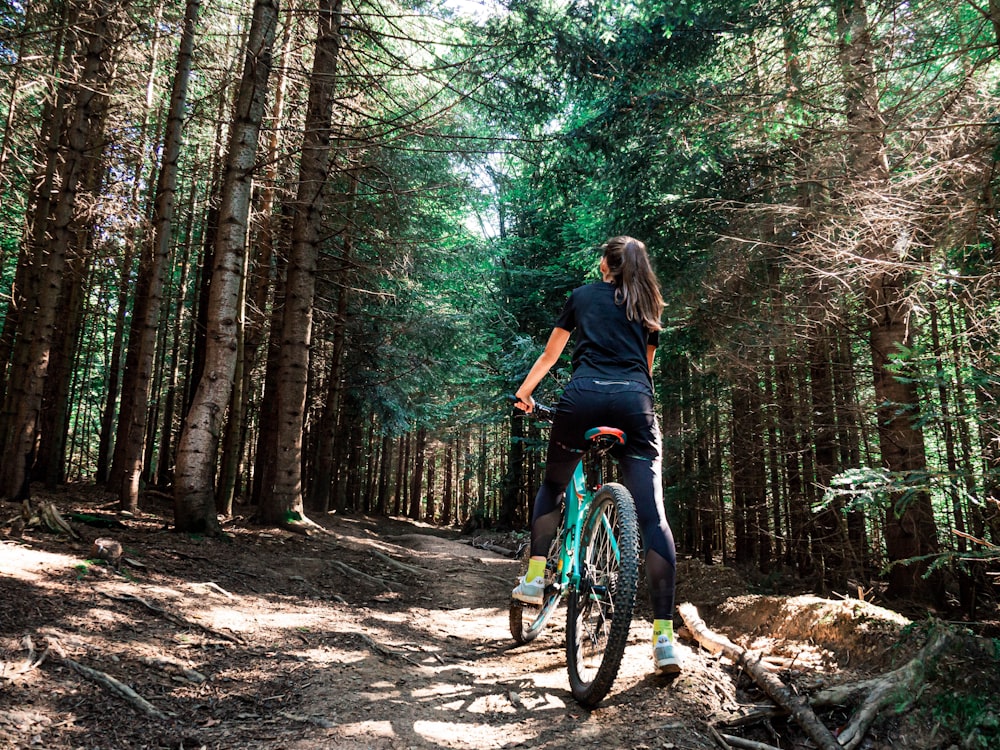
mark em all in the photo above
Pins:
pixel 600 609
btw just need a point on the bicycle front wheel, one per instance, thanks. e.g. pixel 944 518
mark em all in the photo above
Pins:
pixel 600 608
pixel 526 620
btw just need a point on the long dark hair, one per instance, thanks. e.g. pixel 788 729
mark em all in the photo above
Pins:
pixel 636 285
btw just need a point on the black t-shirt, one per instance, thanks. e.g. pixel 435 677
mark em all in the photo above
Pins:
pixel 608 344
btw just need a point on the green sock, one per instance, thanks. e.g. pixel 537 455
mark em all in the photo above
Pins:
pixel 663 627
pixel 536 568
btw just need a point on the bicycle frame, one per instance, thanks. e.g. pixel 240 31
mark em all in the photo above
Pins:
pixel 577 502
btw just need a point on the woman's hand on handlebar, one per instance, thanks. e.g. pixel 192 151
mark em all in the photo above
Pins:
pixel 525 403
pixel 529 406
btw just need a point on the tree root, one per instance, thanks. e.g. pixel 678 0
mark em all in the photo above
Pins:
pixel 878 692
pixel 105 680
pixel 380 649
pixel 303 525
pixel 401 566
pixel 46 516
pixel 174 618
pixel 33 660
pixel 175 668
pixel 355 573
pixel 882 691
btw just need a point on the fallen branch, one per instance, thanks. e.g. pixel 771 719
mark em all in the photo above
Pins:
pixel 217 588
pixel 761 713
pixel 776 690
pixel 46 516
pixel 719 739
pixel 491 546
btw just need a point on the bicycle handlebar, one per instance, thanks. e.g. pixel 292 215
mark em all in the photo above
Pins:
pixel 541 411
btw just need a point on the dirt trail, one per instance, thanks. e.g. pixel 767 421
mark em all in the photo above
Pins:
pixel 380 634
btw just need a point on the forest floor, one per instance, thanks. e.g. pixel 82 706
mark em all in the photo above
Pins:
pixel 386 633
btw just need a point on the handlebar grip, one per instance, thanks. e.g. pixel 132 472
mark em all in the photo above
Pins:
pixel 541 410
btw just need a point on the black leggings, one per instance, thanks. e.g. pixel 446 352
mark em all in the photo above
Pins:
pixel 627 405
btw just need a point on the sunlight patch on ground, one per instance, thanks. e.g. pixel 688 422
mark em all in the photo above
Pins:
pixel 18 561
pixel 368 729
pixel 232 619
pixel 484 704
pixel 332 656
pixel 453 734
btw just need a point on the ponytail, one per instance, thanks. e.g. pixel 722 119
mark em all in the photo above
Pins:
pixel 635 283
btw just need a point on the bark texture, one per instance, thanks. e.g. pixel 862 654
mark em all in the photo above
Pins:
pixel 285 501
pixel 194 488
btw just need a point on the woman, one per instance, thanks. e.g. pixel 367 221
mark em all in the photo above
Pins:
pixel 617 324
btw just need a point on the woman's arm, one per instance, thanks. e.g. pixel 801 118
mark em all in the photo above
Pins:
pixel 554 348
pixel 650 354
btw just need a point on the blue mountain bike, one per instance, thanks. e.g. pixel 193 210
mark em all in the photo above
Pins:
pixel 594 562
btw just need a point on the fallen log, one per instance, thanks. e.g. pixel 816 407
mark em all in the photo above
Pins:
pixel 752 662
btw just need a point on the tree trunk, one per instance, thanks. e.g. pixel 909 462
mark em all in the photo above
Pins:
pixel 845 386
pixel 513 481
pixel 324 469
pixel 448 491
pixel 417 475
pixel 54 419
pixel 131 440
pixel 33 343
pixel 108 415
pixel 430 507
pixel 748 476
pixel 285 499
pixel 263 277
pixel 194 508
pixel 910 529
pixel 384 475
pixel 402 460
pixel 830 540
pixel 165 467
pixel 799 513
pixel 24 291
pixel 232 448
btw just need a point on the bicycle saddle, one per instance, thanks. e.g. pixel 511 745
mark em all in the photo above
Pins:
pixel 613 432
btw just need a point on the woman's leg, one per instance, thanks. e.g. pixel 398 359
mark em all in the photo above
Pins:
pixel 642 477
pixel 640 460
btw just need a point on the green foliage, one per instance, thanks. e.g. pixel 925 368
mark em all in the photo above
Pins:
pixel 970 717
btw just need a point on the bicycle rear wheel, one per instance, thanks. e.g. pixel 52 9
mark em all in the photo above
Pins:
pixel 600 608
pixel 527 620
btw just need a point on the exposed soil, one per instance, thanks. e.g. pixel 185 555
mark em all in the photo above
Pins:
pixel 386 633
